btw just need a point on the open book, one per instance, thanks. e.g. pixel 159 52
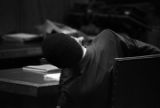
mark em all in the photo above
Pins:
pixel 44 68
pixel 50 72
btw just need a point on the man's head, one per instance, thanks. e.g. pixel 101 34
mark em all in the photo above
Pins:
pixel 61 50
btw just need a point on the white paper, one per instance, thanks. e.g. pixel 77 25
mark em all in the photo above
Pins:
pixel 53 76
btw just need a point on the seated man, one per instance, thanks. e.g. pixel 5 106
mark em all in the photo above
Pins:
pixel 85 78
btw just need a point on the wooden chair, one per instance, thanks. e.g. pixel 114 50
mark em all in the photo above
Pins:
pixel 136 82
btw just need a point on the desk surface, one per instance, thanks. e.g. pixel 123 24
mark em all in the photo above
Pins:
pixel 19 50
pixel 26 83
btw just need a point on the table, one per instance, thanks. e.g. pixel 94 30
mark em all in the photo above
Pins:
pixel 15 55
pixel 22 89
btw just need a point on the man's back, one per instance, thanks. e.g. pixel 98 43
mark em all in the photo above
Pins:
pixel 90 88
pixel 88 84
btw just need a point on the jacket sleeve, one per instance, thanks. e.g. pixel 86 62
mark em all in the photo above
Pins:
pixel 133 47
pixel 66 78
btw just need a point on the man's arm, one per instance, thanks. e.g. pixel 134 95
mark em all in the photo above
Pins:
pixel 142 48
pixel 66 78
pixel 133 47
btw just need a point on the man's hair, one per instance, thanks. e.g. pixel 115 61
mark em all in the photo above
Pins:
pixel 61 50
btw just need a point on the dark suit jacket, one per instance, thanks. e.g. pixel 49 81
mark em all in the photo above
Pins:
pixel 87 85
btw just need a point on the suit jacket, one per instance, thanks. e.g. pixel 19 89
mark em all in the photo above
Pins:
pixel 88 85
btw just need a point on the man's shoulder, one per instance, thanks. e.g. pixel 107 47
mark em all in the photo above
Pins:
pixel 107 31
pixel 106 34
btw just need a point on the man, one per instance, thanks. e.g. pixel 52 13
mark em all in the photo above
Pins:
pixel 85 77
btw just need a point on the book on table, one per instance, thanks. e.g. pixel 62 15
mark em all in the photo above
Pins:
pixel 50 72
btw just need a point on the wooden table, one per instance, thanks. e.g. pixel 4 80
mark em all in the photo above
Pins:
pixel 15 55
pixel 22 89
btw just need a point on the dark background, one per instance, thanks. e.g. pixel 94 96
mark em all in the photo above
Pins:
pixel 25 15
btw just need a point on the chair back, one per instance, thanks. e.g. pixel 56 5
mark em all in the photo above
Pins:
pixel 136 82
